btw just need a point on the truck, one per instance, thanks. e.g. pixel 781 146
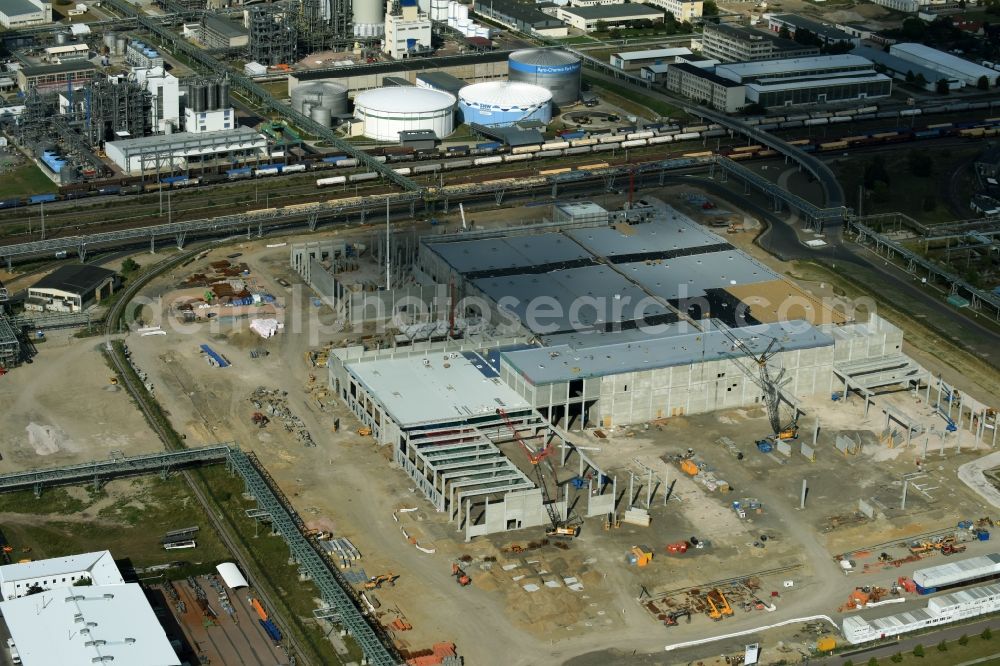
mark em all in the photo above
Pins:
pixel 15 658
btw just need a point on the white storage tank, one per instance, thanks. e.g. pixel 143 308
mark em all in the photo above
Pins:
pixel 388 111
pixel 368 17
pixel 555 70
pixel 320 94
pixel 501 103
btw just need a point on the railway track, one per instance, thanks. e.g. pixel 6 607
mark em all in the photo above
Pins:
pixel 141 398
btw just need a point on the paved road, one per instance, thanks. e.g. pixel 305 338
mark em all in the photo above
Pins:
pixel 950 633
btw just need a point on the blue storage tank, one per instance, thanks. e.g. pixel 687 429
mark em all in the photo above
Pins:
pixel 555 70
pixel 503 103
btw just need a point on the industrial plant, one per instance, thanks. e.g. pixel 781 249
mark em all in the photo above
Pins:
pixel 630 332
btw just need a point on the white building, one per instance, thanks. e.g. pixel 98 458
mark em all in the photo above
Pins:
pixel 406 32
pixel 107 620
pixel 22 13
pixel 634 60
pixel 706 87
pixel 683 10
pixel 165 88
pixel 907 6
pixel 217 120
pixel 98 567
pixel 815 80
pixel 588 18
pixel 176 152
pixel 67 53
pixel 949 66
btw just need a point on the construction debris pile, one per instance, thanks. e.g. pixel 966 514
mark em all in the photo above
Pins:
pixel 341 551
pixel 717 603
pixel 273 404
pixel 699 471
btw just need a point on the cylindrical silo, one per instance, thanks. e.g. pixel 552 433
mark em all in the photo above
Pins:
pixel 202 95
pixel 109 41
pixel 502 103
pixel 213 96
pixel 320 115
pixel 424 6
pixel 388 111
pixel 224 94
pixel 366 13
pixel 555 70
pixel 325 94
pixel 120 44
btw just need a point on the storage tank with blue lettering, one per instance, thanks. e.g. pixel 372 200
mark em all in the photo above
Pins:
pixel 503 103
pixel 556 70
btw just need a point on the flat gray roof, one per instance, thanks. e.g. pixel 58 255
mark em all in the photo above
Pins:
pixel 184 138
pixel 508 252
pixel 415 391
pixel 17 7
pixel 549 365
pixel 571 299
pixel 626 11
pixel 667 232
pixel 690 276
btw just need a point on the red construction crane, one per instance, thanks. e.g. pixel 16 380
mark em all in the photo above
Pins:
pixel 535 458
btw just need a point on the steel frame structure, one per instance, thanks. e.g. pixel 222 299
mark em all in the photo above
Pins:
pixel 913 263
pixel 102 470
pixel 335 591
pixel 10 346
pixel 833 193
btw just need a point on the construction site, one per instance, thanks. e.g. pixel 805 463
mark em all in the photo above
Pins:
pixel 652 456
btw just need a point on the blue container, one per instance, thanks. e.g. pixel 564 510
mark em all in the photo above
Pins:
pixel 764 446
pixel 41 198
pixel 271 629
pixel 15 202
pixel 983 535
pixel 334 159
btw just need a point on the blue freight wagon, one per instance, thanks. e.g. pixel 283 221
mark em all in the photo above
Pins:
pixel 173 179
pixel 110 189
pixel 489 145
pixel 41 198
pixel 569 136
pixel 10 203
pixel 334 159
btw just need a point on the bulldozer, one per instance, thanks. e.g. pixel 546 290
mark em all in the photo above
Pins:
pixel 376 582
pixel 672 617
pixel 259 419
pixel 718 605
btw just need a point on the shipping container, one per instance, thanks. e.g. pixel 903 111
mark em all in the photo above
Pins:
pixel 41 198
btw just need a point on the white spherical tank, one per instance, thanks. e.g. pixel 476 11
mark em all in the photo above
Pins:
pixel 368 11
pixel 388 111
pixel 501 103
pixel 555 70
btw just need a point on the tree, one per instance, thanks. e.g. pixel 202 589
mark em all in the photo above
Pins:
pixel 920 81
pixel 709 8
pixel 784 33
pixel 83 582
pixel 129 266
pixel 909 76
pixel 983 83
pixel 601 26
pixel 896 658
pixel 918 650
pixel 942 646
pixel 942 87
pixel 875 172
pixel 873 661
pixel 914 29
pixel 987 634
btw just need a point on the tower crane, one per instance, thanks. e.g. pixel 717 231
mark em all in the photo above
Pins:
pixel 560 528
pixel 761 376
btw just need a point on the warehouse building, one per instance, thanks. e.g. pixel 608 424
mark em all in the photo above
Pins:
pixel 55 77
pixel 815 80
pixel 186 150
pixel 52 619
pixel 683 10
pixel 946 65
pixel 706 87
pixel 826 33
pixel 906 70
pixel 521 16
pixel 733 43
pixel 612 16
pixel 629 61
pixel 221 33
pixel 71 288
pixel 23 13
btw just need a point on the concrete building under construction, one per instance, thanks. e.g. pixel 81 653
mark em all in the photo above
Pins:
pixel 592 324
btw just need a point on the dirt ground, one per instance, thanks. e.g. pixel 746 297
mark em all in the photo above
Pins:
pixel 554 603
pixel 50 421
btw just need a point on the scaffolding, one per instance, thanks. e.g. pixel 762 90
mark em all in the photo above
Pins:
pixel 323 23
pixel 273 34
pixel 112 110
pixel 10 347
